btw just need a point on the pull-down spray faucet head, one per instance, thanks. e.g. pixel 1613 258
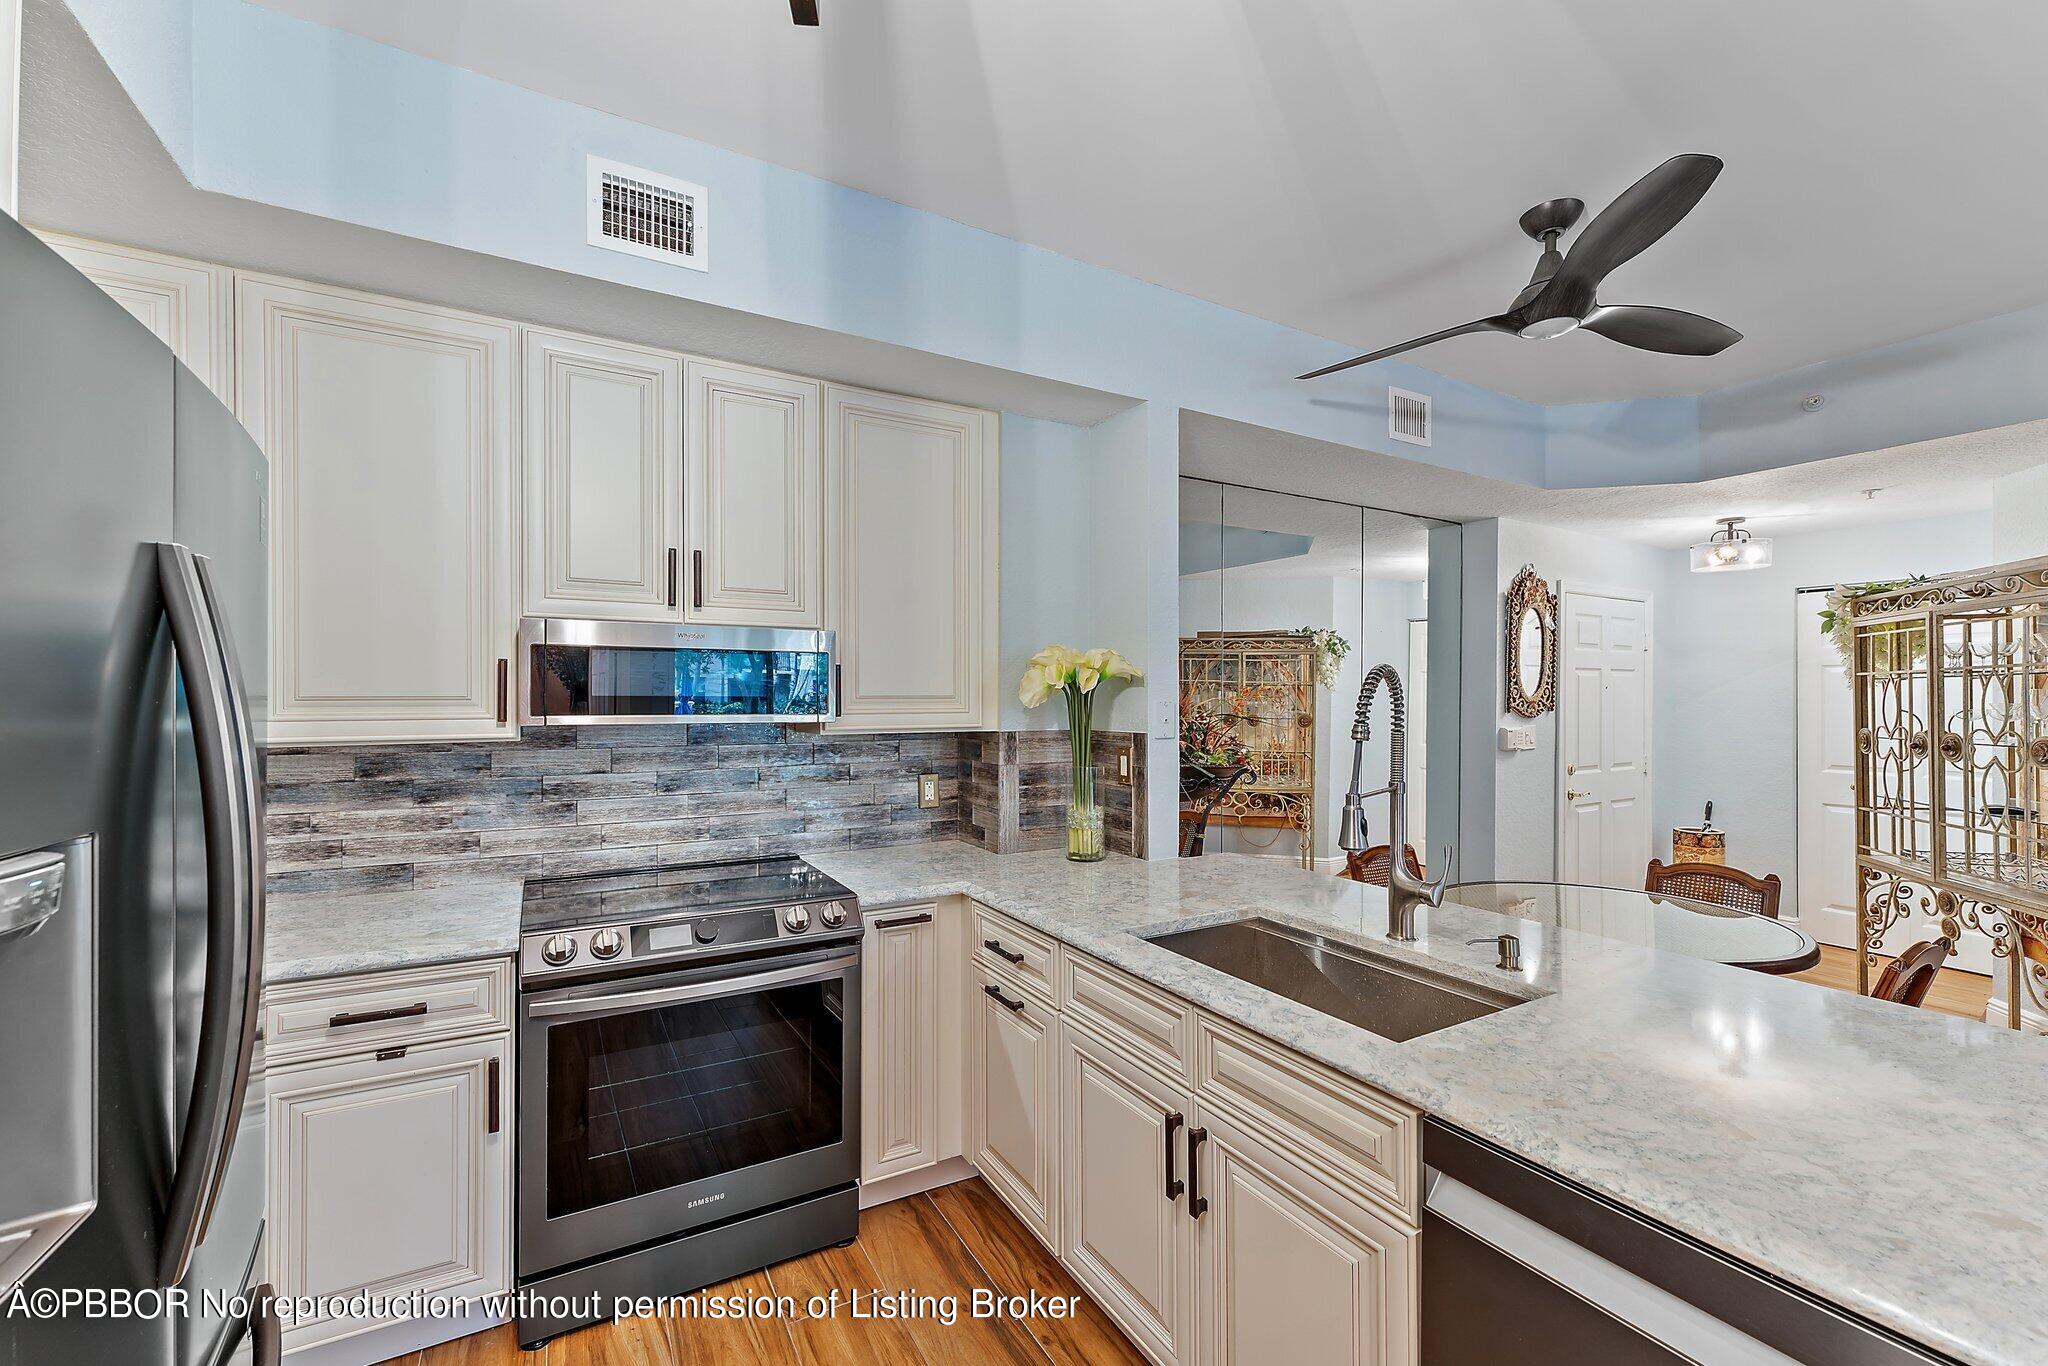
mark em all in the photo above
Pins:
pixel 1352 836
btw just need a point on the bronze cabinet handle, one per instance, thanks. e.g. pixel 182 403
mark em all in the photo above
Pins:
pixel 1003 1000
pixel 491 1099
pixel 346 1018
pixel 504 690
pixel 671 576
pixel 924 918
pixel 696 578
pixel 1174 1185
pixel 1197 1202
pixel 995 947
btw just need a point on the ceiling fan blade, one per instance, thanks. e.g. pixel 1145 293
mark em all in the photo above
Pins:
pixel 1483 325
pixel 1641 214
pixel 804 12
pixel 1670 330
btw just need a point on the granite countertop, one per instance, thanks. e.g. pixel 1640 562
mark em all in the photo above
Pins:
pixel 1885 1159
pixel 325 934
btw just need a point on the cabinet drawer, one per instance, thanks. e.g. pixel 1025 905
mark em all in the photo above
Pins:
pixel 411 1006
pixel 1364 1139
pixel 1131 1016
pixel 1007 948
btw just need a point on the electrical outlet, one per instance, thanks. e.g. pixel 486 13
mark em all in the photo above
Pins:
pixel 1123 766
pixel 927 790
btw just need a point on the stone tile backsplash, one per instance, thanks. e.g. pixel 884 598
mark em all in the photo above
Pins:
pixel 588 798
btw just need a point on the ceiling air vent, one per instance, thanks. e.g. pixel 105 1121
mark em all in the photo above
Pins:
pixel 1408 416
pixel 645 214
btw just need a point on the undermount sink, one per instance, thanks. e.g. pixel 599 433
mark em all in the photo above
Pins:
pixel 1393 1000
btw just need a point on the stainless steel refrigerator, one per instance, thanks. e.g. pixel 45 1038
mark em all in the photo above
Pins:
pixel 133 626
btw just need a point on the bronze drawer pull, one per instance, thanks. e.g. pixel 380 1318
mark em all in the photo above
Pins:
pixel 922 919
pixel 1004 1001
pixel 1174 1185
pixel 1197 1202
pixel 995 947
pixel 390 1054
pixel 361 1017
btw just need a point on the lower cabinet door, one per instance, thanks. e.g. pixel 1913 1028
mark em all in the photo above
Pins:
pixel 389 1175
pixel 1124 1229
pixel 899 1021
pixel 1013 1106
pixel 1293 1269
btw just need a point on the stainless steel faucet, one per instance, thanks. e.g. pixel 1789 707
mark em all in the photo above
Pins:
pixel 1404 890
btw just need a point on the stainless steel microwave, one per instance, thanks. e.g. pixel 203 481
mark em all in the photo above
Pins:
pixel 580 673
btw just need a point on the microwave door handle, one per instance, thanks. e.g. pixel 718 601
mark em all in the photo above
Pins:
pixel 817 971
pixel 227 1022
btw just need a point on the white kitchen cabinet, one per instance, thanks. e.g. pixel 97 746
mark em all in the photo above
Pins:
pixel 189 305
pixel 1013 1099
pixel 602 488
pixel 754 499
pixel 390 1175
pixel 389 428
pixel 900 984
pixel 910 537
pixel 1291 1267
pixel 1124 1229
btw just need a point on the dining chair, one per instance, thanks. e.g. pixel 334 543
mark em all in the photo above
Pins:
pixel 1374 865
pixel 1908 978
pixel 1718 883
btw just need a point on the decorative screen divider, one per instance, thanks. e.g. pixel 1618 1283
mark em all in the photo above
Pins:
pixel 1951 694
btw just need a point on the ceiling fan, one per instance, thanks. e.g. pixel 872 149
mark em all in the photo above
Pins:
pixel 804 13
pixel 1560 294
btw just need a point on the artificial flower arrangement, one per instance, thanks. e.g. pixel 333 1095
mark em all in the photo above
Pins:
pixel 1208 736
pixel 1077 675
pixel 1839 625
pixel 1330 650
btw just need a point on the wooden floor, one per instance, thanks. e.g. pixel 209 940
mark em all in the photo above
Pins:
pixel 949 1241
pixel 1954 993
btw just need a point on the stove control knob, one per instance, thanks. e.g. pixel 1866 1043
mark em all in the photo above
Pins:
pixel 557 949
pixel 833 914
pixel 797 918
pixel 705 931
pixel 606 943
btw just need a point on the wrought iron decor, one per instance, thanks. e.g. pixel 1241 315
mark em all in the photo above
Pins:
pixel 1531 652
pixel 1265 681
pixel 1951 694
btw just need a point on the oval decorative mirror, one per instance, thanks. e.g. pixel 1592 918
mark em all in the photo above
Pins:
pixel 1531 644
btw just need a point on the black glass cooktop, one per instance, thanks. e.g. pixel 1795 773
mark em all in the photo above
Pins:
pixel 658 893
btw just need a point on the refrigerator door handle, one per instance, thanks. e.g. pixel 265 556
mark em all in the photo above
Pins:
pixel 229 799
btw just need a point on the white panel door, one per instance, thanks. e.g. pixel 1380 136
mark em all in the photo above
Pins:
pixel 755 500
pixel 189 305
pixel 911 554
pixel 1293 1269
pixel 899 1022
pixel 1418 737
pixel 388 1176
pixel 1824 895
pixel 1013 1099
pixel 1124 1229
pixel 389 431
pixel 1603 738
pixel 603 478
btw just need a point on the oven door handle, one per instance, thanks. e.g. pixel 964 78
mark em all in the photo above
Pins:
pixel 815 971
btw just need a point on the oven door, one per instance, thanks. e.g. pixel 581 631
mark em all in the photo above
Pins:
pixel 650 1106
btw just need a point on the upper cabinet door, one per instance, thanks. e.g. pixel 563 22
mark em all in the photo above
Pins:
pixel 910 491
pixel 603 490
pixel 389 431
pixel 754 499
pixel 189 305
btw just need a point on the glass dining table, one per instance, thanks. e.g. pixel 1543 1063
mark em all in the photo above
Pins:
pixel 1676 924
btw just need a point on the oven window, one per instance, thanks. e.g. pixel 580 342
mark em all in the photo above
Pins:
pixel 588 680
pixel 644 1101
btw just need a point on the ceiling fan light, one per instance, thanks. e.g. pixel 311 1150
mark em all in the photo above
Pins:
pixel 1543 329
pixel 1729 549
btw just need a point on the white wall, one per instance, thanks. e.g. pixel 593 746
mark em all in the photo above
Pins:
pixel 2019 516
pixel 1727 685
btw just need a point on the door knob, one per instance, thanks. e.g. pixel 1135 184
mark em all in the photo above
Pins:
pixel 1572 794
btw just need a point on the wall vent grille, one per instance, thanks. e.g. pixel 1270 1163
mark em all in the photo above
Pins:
pixel 645 214
pixel 1408 416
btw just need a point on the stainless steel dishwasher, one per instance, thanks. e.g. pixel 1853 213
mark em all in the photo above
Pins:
pixel 1519 1265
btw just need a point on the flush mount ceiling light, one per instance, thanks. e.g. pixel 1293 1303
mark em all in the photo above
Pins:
pixel 1730 548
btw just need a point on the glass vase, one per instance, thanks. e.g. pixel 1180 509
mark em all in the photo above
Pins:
pixel 1084 817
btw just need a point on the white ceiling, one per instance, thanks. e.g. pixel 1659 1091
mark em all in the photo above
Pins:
pixel 1355 167
pixel 1925 479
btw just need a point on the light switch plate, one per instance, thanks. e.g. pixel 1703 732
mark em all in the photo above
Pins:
pixel 1514 738
pixel 927 790
pixel 1123 766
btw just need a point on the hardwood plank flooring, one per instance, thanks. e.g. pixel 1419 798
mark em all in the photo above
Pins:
pixel 948 1241
pixel 1954 993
